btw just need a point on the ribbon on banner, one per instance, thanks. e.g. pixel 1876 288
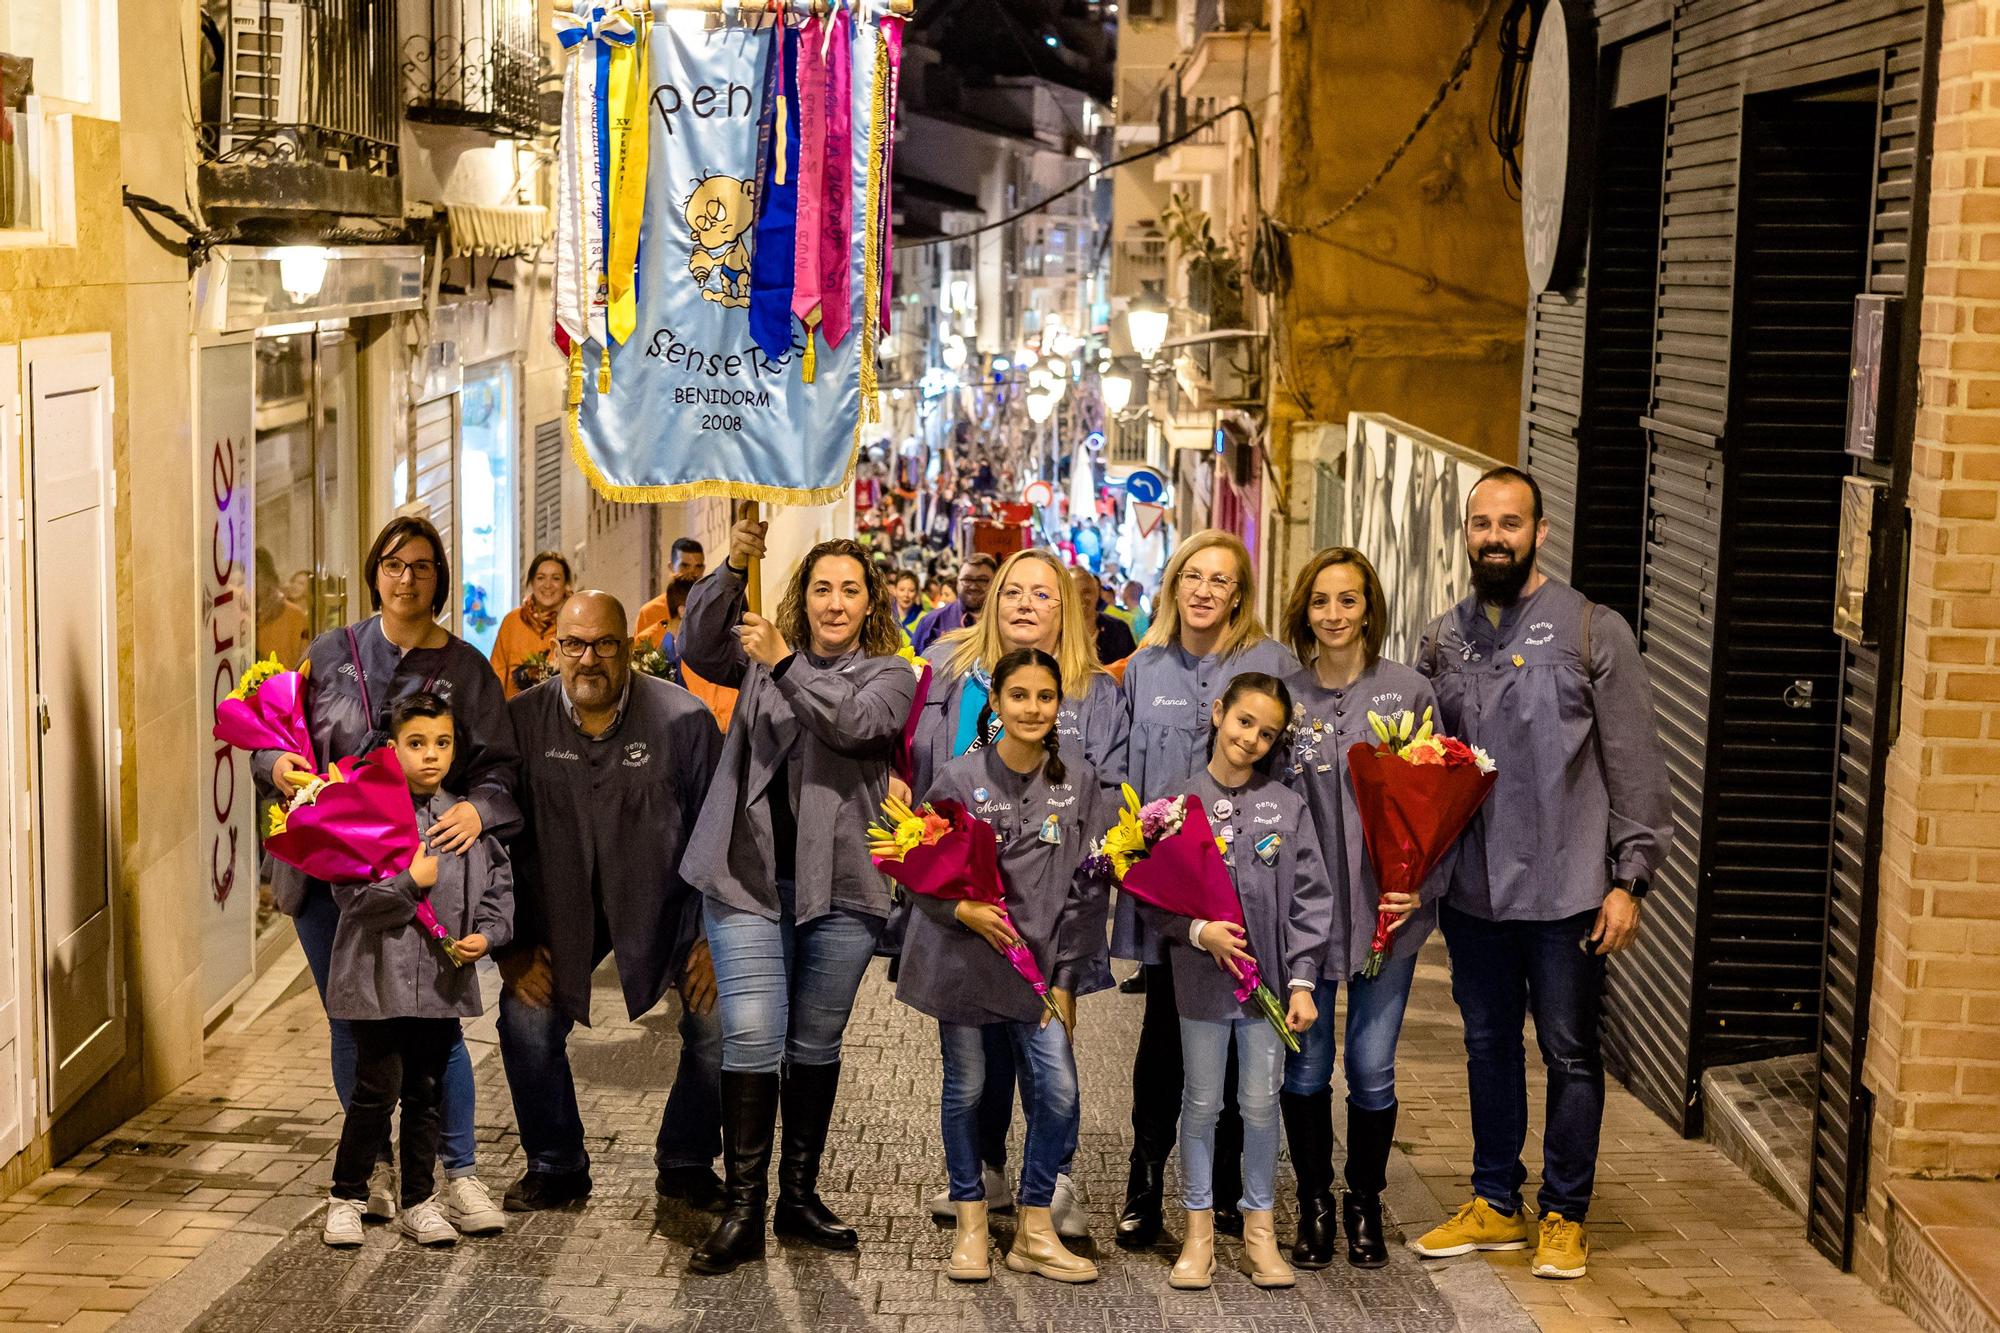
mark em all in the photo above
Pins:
pixel 697 406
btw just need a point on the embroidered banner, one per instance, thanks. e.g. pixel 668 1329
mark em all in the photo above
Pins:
pixel 694 406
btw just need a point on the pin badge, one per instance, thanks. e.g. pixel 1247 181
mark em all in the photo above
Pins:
pixel 1223 807
pixel 1052 831
pixel 1519 660
pixel 1267 848
pixel 1228 831
pixel 980 793
pixel 1324 768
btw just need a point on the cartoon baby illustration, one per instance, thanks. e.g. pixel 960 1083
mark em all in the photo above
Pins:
pixel 719 215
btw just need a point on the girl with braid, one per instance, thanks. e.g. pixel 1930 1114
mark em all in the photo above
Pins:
pixel 1044 807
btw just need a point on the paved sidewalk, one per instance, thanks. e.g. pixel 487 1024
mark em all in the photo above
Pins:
pixel 202 1211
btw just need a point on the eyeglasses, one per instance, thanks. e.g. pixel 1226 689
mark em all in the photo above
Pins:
pixel 423 571
pixel 1041 598
pixel 1219 584
pixel 605 648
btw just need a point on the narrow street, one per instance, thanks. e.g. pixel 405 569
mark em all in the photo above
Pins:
pixel 203 1212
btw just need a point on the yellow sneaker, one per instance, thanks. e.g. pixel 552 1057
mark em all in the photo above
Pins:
pixel 1476 1226
pixel 1562 1249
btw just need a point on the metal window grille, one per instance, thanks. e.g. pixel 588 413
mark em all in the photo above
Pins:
pixel 472 63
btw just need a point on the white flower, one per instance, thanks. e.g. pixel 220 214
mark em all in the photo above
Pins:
pixel 1483 759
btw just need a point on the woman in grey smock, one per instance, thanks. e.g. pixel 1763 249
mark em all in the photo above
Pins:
pixel 793 905
pixel 1335 620
pixel 1206 633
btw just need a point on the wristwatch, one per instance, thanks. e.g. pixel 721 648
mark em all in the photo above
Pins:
pixel 1638 888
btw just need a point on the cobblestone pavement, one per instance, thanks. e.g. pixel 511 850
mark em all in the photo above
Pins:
pixel 203 1210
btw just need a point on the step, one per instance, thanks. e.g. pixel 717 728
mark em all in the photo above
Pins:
pixel 1760 1115
pixel 1944 1264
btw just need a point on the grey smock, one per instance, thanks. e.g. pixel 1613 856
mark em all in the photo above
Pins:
pixel 1287 898
pixel 1325 722
pixel 1581 798
pixel 1168 693
pixel 954 975
pixel 828 727
pixel 607 818
pixel 385 965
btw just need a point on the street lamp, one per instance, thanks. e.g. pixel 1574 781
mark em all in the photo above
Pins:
pixel 1041 406
pixel 1146 324
pixel 1117 391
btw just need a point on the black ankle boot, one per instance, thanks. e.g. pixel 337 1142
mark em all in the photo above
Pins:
pixel 1370 1135
pixel 808 1110
pixel 1145 1187
pixel 749 1112
pixel 1309 1134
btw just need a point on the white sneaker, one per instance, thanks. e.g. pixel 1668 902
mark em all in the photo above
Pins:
pixel 343 1222
pixel 470 1209
pixel 999 1197
pixel 1066 1209
pixel 425 1224
pixel 382 1194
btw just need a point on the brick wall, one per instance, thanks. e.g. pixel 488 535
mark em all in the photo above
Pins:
pixel 1934 1038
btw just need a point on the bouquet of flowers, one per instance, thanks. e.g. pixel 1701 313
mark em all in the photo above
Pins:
pixel 352 824
pixel 903 760
pixel 1416 791
pixel 943 851
pixel 652 660
pixel 1165 853
pixel 266 711
pixel 532 670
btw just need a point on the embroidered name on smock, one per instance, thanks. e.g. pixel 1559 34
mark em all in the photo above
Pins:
pixel 570 755
pixel 1162 701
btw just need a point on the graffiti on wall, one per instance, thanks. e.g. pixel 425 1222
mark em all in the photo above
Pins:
pixel 1404 497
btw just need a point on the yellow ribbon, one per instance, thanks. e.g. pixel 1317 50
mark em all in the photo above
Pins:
pixel 627 187
pixel 871 246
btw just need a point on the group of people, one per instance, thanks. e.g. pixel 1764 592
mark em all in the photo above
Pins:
pixel 603 812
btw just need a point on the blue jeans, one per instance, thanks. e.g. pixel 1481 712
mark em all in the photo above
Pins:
pixel 1374 1021
pixel 784 990
pixel 534 1046
pixel 1501 971
pixel 1260 1070
pixel 458 1144
pixel 1047 1069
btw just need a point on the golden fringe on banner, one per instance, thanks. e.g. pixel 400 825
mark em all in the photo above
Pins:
pixel 871 245
pixel 698 490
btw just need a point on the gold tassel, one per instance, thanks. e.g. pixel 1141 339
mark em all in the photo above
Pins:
pixel 871 267
pixel 604 371
pixel 575 374
pixel 809 366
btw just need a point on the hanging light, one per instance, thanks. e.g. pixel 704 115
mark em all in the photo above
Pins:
pixel 1041 407
pixel 1146 324
pixel 954 353
pixel 1026 357
pixel 302 270
pixel 1117 391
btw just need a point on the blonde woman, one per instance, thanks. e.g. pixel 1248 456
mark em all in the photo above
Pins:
pixel 1031 607
pixel 1205 634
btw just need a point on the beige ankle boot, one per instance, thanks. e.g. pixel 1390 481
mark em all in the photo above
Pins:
pixel 1195 1269
pixel 1038 1249
pixel 1260 1249
pixel 969 1260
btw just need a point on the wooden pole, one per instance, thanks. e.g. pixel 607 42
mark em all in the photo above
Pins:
pixel 753 581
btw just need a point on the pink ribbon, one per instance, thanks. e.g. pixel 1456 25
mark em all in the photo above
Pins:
pixel 812 170
pixel 836 243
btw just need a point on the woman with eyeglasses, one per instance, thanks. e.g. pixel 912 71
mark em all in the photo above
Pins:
pixel 1335 620
pixel 793 905
pixel 1031 607
pixel 1205 633
pixel 354 675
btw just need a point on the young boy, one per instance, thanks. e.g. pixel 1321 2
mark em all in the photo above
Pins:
pixel 404 991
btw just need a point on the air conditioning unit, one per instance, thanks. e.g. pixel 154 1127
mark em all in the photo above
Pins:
pixel 265 78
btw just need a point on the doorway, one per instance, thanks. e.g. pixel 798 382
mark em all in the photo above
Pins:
pixel 489 565
pixel 304 461
pixel 1805 219
pixel 74 743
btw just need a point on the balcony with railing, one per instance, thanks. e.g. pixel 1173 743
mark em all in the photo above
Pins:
pixel 301 114
pixel 1228 16
pixel 472 63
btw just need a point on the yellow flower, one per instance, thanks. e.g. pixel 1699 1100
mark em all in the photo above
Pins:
pixel 909 654
pixel 256 676
pixel 274 821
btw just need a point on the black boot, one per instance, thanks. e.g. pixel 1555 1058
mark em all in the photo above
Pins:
pixel 808 1110
pixel 749 1113
pixel 1139 1226
pixel 1370 1135
pixel 1309 1134
pixel 1229 1163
